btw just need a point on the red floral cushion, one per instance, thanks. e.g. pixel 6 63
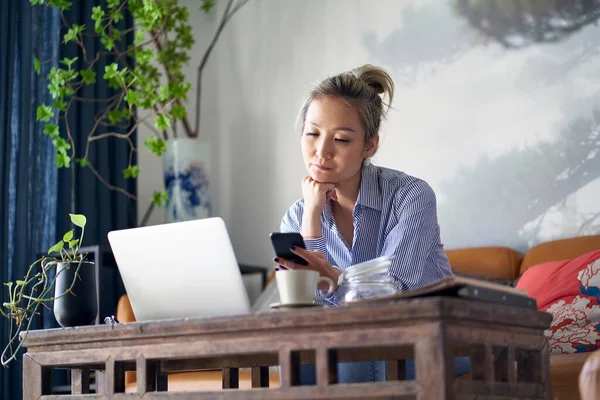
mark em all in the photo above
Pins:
pixel 570 291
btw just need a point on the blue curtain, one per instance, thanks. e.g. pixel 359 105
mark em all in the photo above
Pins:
pixel 28 177
pixel 36 198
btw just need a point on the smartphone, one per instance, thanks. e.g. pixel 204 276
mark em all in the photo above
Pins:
pixel 283 242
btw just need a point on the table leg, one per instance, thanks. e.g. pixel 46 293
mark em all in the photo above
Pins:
pixel 37 380
pixel 546 370
pixel 434 366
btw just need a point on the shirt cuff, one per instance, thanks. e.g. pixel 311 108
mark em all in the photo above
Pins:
pixel 316 244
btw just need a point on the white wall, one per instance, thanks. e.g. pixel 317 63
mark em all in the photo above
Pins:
pixel 486 127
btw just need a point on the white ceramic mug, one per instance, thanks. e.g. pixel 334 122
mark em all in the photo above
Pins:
pixel 299 286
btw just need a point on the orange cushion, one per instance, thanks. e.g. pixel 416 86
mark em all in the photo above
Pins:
pixel 562 249
pixel 491 262
pixel 570 291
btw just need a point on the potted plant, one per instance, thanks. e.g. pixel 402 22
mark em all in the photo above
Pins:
pixel 64 279
pixel 150 89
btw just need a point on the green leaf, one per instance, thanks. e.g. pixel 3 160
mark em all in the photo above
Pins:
pixel 69 62
pixel 179 91
pixel 20 283
pixel 55 90
pixel 66 91
pixel 116 33
pixel 62 4
pixel 139 37
pixel 118 16
pixel 111 71
pixel 132 98
pixel 178 111
pixel 162 122
pixel 115 116
pixel 112 3
pixel 61 145
pixel 36 65
pixel 83 162
pixel 156 145
pixel 57 248
pixel 73 243
pixel 37 2
pixel 73 33
pixel 59 105
pixel 207 5
pixel 78 220
pixel 88 75
pixel 131 172
pixel 143 56
pixel 68 236
pixel 160 198
pixel 108 43
pixel 44 113
pixel 97 15
pixel 163 93
pixel 63 160
pixel 52 131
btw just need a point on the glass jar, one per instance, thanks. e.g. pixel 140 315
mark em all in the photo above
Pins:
pixel 368 280
pixel 366 288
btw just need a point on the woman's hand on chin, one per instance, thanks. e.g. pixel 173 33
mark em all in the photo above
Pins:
pixel 317 194
pixel 316 262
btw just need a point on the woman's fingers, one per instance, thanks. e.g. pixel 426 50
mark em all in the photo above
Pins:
pixel 310 256
pixel 287 264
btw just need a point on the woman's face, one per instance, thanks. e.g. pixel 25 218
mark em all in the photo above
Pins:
pixel 333 141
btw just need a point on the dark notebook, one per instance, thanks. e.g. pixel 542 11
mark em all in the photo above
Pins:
pixel 474 289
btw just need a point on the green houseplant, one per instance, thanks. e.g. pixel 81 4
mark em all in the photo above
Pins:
pixel 147 78
pixel 49 280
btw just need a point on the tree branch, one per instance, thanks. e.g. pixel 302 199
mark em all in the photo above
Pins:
pixel 108 185
pixel 227 15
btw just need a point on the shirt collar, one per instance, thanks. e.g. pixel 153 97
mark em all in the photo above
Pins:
pixel 369 194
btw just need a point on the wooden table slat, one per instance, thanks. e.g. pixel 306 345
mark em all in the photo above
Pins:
pixel 80 381
pixel 260 377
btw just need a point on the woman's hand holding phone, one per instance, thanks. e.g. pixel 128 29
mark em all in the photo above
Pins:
pixel 315 260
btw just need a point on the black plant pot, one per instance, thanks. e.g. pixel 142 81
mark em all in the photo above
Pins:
pixel 81 306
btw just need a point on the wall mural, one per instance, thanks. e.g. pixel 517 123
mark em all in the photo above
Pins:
pixel 514 87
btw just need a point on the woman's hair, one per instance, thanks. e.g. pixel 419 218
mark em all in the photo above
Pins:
pixel 360 88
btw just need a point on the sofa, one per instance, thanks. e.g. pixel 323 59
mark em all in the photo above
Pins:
pixel 500 264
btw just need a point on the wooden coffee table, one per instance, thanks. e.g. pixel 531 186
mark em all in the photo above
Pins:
pixel 509 353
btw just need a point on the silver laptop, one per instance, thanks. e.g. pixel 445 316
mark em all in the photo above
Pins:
pixel 181 269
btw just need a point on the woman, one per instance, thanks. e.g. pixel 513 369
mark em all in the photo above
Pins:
pixel 353 211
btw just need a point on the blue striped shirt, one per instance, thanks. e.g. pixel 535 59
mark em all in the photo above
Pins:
pixel 395 214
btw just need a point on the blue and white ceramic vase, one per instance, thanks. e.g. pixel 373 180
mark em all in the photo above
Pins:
pixel 186 171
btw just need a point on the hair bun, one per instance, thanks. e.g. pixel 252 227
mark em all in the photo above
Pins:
pixel 377 86
pixel 377 78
